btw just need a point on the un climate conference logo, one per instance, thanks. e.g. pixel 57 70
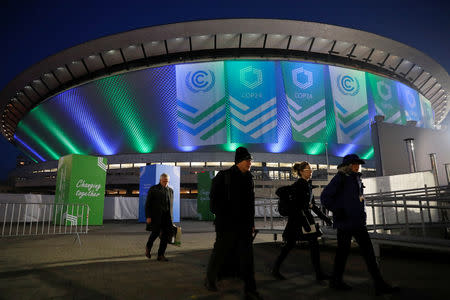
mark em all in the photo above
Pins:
pixel 309 78
pixel 348 85
pixel 251 77
pixel 384 90
pixel 200 81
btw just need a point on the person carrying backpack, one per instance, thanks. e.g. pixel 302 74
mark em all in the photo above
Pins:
pixel 344 196
pixel 301 224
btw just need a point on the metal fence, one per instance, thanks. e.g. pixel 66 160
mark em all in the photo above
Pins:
pixel 28 219
pixel 409 212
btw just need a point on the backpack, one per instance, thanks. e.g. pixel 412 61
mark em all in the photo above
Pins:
pixel 284 194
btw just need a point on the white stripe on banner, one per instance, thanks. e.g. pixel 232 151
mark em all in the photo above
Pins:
pixel 316 129
pixel 257 122
pixel 252 114
pixel 314 119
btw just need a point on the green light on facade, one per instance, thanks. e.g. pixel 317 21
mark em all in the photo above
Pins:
pixel 27 130
pixel 314 148
pixel 55 130
pixel 369 154
pixel 230 147
pixel 119 97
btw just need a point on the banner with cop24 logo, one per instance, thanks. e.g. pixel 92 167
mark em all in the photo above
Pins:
pixel 383 92
pixel 253 102
pixel 427 112
pixel 350 106
pixel 409 100
pixel 201 104
pixel 305 95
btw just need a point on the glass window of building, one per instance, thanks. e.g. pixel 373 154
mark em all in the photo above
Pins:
pixel 227 163
pixel 285 165
pixel 333 167
pixel 155 163
pixel 114 166
pixel 138 165
pixel 213 163
pixel 197 164
pixel 256 164
pixel 135 192
pixel 272 165
pixel 126 166
pixel 322 166
pixel 168 163
pixel 183 164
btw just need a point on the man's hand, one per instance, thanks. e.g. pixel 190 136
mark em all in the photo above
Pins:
pixel 149 220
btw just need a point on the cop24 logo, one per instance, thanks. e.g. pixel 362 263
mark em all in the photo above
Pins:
pixel 200 81
pixel 251 77
pixel 348 85
pixel 384 90
pixel 302 78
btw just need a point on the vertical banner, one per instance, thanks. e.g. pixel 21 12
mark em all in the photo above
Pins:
pixel 149 176
pixel 253 102
pixel 383 92
pixel 201 104
pixel 350 106
pixel 409 100
pixel 81 180
pixel 204 186
pixel 305 95
pixel 427 112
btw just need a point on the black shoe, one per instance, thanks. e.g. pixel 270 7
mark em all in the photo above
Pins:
pixel 385 288
pixel 210 286
pixel 253 295
pixel 276 273
pixel 162 258
pixel 147 253
pixel 322 276
pixel 339 286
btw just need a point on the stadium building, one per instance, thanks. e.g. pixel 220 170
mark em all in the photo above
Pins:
pixel 188 94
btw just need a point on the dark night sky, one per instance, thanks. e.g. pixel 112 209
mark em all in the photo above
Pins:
pixel 34 30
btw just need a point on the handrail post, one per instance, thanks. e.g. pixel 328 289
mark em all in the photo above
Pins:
pixel 406 215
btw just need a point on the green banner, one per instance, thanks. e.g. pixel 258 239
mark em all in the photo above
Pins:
pixel 81 180
pixel 383 91
pixel 204 186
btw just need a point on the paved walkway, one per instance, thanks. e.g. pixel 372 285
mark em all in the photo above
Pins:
pixel 110 264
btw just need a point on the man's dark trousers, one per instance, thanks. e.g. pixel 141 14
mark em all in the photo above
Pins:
pixel 227 242
pixel 344 238
pixel 163 228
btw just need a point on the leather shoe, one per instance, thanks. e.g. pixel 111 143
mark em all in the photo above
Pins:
pixel 253 295
pixel 385 288
pixel 162 258
pixel 278 275
pixel 339 286
pixel 147 253
pixel 322 276
pixel 210 286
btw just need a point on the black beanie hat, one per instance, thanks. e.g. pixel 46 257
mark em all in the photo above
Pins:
pixel 241 154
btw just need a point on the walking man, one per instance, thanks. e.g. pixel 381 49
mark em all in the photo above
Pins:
pixel 158 211
pixel 232 200
pixel 345 198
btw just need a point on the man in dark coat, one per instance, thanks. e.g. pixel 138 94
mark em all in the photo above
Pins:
pixel 158 211
pixel 345 198
pixel 232 200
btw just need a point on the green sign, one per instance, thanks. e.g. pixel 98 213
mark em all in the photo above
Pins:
pixel 81 180
pixel 204 186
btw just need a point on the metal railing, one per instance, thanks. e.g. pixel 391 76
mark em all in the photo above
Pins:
pixel 27 219
pixel 413 212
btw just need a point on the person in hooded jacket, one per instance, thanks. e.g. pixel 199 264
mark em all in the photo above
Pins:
pixel 300 221
pixel 344 197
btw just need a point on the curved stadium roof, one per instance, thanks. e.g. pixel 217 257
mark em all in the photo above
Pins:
pixel 217 40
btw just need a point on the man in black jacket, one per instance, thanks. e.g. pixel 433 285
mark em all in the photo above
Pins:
pixel 158 211
pixel 232 200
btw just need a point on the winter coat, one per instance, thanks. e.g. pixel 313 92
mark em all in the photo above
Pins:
pixel 154 205
pixel 300 212
pixel 232 200
pixel 344 197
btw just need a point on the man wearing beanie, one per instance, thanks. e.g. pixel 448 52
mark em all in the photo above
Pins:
pixel 232 200
pixel 345 198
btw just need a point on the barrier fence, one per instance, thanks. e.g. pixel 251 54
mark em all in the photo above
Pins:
pixel 415 217
pixel 27 219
